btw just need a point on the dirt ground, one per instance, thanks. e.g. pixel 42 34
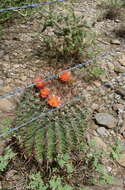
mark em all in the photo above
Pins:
pixel 22 59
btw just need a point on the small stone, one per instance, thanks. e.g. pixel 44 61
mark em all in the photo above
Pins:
pixel 123 115
pixel 97 83
pixel 1 53
pixel 121 160
pixel 1 83
pixel 117 107
pixel 115 41
pixel 119 69
pixel 104 79
pixel 100 144
pixel 9 80
pixel 6 105
pixel 122 129
pixel 16 66
pixel 117 20
pixel 121 92
pixel 7 57
pixel 23 78
pixel 102 131
pixel 95 106
pixel 111 66
pixel 122 61
pixel 92 125
pixel 109 169
pixel 106 119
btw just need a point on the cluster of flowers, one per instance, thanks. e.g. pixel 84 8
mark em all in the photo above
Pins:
pixel 45 92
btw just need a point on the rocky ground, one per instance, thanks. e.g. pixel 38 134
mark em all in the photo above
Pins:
pixel 104 95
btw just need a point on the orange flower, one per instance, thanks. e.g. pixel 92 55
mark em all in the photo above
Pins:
pixel 39 82
pixel 65 77
pixel 44 92
pixel 54 101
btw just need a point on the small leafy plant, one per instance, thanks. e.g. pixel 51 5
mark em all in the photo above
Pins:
pixel 11 15
pixel 112 9
pixel 64 162
pixel 94 158
pixel 55 183
pixel 36 182
pixel 116 149
pixel 66 35
pixel 113 3
pixel 4 159
pixel 96 71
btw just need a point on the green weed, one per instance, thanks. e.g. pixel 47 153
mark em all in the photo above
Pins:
pixel 115 150
pixel 95 158
pixel 36 182
pixel 55 183
pixel 113 9
pixel 96 71
pixel 66 35
pixel 4 159
pixel 113 3
pixel 64 162
pixel 7 122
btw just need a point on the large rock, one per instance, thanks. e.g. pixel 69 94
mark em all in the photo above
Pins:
pixel 106 120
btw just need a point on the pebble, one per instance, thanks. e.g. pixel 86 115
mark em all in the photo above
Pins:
pixel 115 41
pixel 100 144
pixel 109 169
pixel 121 160
pixel 23 78
pixel 122 61
pixel 106 119
pixel 95 106
pixel 1 53
pixel 123 115
pixel 122 129
pixel 6 105
pixel 1 83
pixel 7 58
pixel 119 69
pixel 121 92
pixel 92 125
pixel 111 66
pixel 97 83
pixel 117 107
pixel 16 66
pixel 102 131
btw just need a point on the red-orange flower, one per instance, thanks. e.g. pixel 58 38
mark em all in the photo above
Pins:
pixel 44 92
pixel 54 101
pixel 65 77
pixel 39 82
